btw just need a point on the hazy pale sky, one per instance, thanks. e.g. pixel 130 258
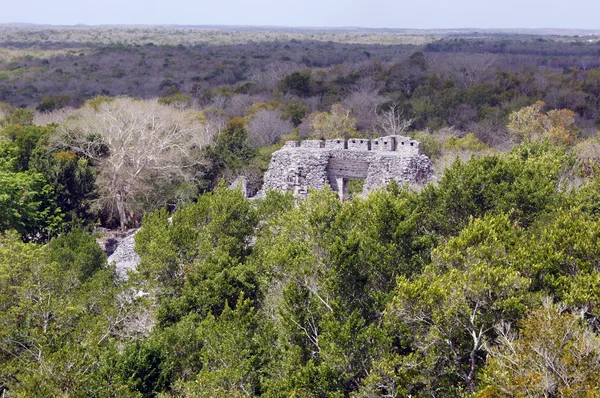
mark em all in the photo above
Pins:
pixel 579 14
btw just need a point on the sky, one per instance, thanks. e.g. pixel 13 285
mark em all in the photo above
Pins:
pixel 414 14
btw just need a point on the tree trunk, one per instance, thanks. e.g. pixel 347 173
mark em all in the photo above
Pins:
pixel 122 212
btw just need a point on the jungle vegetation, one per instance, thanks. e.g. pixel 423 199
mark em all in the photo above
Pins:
pixel 483 283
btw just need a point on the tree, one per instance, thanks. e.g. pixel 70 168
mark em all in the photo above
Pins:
pixel 27 204
pixel 472 70
pixel 53 102
pixel 532 122
pixel 135 145
pixel 522 184
pixel 73 181
pixel 60 312
pixel 335 124
pixel 363 101
pixel 553 354
pixel 198 259
pixel 48 190
pixel 445 315
pixel 266 128
pixel 229 152
pixel 235 354
pixel 298 83
pixel 328 268
pixel 392 121
pixel 295 111
pixel 23 117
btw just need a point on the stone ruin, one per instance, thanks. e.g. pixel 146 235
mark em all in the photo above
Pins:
pixel 300 166
pixel 297 167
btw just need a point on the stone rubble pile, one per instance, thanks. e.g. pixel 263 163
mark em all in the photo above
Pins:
pixel 124 256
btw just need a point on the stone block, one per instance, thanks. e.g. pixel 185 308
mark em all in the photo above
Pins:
pixel 338 143
pixel 387 144
pixel 291 144
pixel 359 144
pixel 407 145
pixel 312 144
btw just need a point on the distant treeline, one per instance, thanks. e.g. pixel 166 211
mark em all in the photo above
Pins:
pixel 471 83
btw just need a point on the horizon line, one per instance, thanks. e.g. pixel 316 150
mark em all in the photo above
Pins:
pixel 307 27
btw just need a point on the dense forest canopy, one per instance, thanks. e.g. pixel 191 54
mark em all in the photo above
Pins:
pixel 483 283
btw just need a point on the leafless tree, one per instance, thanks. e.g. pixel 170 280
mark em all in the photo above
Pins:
pixel 239 104
pixel 392 121
pixel 471 70
pixel 266 128
pixel 135 145
pixel 462 115
pixel 269 75
pixel 58 116
pixel 220 102
pixel 363 102
pixel 213 123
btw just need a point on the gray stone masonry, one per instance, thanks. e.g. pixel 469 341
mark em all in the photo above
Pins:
pixel 338 143
pixel 315 144
pixel 359 144
pixel 387 144
pixel 313 164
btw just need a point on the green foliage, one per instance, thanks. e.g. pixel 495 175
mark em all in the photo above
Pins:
pixel 398 293
pixel 22 117
pixel 177 100
pixel 53 325
pixel 53 102
pixel 531 122
pixel 522 184
pixel 468 142
pixel 553 354
pixel 139 368
pixel 96 102
pixel 298 83
pixel 77 251
pixel 198 258
pixel 26 139
pixel 45 189
pixel 73 181
pixel 235 354
pixel 563 249
pixel 329 269
pixel 355 187
pixel 229 152
pixel 335 124
pixel 27 200
pixel 27 205
pixel 9 153
pixel 431 145
pixel 446 314
pixel 295 111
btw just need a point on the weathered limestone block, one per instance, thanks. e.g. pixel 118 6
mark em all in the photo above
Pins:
pixel 314 144
pixel 338 143
pixel 384 144
pixel 359 144
pixel 407 145
pixel 308 164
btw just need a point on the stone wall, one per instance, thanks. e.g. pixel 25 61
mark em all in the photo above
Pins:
pixel 313 144
pixel 359 144
pixel 338 143
pixel 313 163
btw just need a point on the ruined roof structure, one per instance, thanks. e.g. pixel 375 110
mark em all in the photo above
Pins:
pixel 297 167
